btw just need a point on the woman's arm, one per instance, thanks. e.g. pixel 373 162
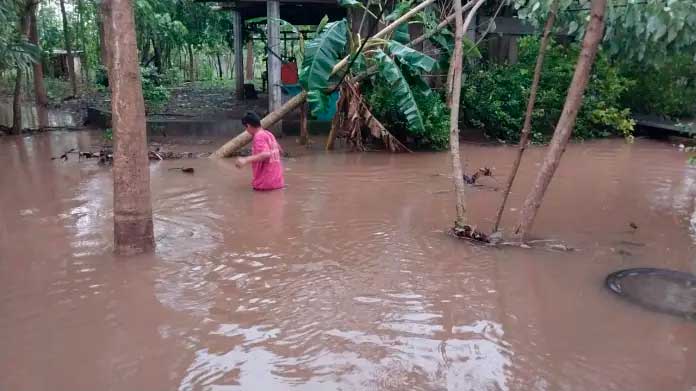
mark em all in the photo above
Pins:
pixel 261 156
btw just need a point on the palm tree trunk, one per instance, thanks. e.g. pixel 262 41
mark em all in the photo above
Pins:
pixel 68 48
pixel 564 128
pixel 527 127
pixel 133 232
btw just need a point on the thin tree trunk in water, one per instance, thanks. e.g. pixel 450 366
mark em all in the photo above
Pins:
pixel 133 231
pixel 39 88
pixel 564 128
pixel 219 63
pixel 68 48
pixel 250 60
pixel 527 127
pixel 453 95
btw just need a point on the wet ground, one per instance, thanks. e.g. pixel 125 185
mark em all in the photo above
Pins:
pixel 343 281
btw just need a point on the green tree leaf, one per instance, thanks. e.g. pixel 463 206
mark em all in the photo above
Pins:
pixel 403 94
pixel 411 57
pixel 321 54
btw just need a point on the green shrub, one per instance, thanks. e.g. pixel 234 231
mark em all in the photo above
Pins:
pixel 435 116
pixel 173 77
pixel 154 93
pixel 669 91
pixel 494 97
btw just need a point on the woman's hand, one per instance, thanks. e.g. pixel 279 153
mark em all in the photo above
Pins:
pixel 240 162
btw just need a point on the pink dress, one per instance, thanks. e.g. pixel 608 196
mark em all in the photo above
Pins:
pixel 267 174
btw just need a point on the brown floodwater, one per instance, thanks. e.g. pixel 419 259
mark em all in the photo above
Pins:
pixel 343 281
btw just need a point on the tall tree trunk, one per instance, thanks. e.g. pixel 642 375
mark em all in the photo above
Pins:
pixel 192 70
pixel 527 127
pixel 102 44
pixel 453 93
pixel 23 26
pixel 17 104
pixel 145 51
pixel 250 59
pixel 39 88
pixel 133 231
pixel 219 64
pixel 564 128
pixel 157 58
pixel 68 48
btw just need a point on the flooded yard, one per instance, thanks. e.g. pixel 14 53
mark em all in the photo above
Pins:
pixel 345 280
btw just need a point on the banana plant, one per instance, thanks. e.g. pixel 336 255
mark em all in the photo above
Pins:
pixel 401 66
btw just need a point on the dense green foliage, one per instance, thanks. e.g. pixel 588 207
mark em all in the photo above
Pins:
pixel 435 131
pixel 396 93
pixel 155 94
pixel 17 52
pixel 647 31
pixel 495 96
pixel 669 91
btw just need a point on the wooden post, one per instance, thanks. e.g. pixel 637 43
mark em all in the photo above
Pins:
pixel 238 61
pixel 274 63
pixel 304 130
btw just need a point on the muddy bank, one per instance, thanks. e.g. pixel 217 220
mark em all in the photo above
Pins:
pixel 346 279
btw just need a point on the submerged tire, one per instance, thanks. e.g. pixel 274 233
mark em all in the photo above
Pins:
pixel 662 290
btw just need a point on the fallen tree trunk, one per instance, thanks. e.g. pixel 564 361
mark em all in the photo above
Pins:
pixel 527 127
pixel 237 143
pixel 244 138
pixel 564 128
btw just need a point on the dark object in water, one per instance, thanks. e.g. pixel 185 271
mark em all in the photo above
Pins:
pixel 64 156
pixel 188 170
pixel 485 171
pixel 662 290
pixel 469 232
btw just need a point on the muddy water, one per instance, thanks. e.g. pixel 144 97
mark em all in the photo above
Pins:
pixel 345 280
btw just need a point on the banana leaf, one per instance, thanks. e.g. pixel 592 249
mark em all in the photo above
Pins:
pixel 402 92
pixel 399 11
pixel 401 34
pixel 322 53
pixel 411 57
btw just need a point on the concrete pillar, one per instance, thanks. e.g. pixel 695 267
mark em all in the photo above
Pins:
pixel 238 54
pixel 274 63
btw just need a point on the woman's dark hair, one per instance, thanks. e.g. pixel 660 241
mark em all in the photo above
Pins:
pixel 251 118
